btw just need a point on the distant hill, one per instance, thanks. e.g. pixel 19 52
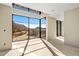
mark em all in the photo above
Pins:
pixel 18 27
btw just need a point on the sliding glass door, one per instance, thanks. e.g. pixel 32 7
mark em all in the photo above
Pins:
pixel 43 28
pixel 20 28
pixel 24 28
pixel 34 28
pixel 27 27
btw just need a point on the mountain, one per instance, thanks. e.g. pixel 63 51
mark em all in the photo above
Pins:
pixel 18 27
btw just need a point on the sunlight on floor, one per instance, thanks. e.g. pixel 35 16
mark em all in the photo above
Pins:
pixel 60 38
pixel 35 48
pixel 55 50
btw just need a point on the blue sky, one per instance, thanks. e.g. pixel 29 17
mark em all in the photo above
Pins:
pixel 33 22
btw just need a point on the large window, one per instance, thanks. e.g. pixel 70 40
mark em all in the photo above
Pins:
pixel 59 28
pixel 34 27
pixel 20 28
pixel 25 27
pixel 43 28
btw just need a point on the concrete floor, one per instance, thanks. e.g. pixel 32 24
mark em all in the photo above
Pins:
pixel 67 50
pixel 35 48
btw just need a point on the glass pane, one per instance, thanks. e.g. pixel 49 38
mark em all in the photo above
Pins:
pixel 21 8
pixel 43 28
pixel 20 28
pixel 34 28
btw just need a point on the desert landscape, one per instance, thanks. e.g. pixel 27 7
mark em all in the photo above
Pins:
pixel 20 32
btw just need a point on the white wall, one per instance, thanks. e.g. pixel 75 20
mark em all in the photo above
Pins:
pixel 51 28
pixel 71 25
pixel 62 28
pixel 5 24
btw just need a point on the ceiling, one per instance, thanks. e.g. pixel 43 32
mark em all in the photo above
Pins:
pixel 53 9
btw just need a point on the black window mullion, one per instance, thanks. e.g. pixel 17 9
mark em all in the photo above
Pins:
pixel 57 27
pixel 60 28
pixel 28 27
pixel 39 28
